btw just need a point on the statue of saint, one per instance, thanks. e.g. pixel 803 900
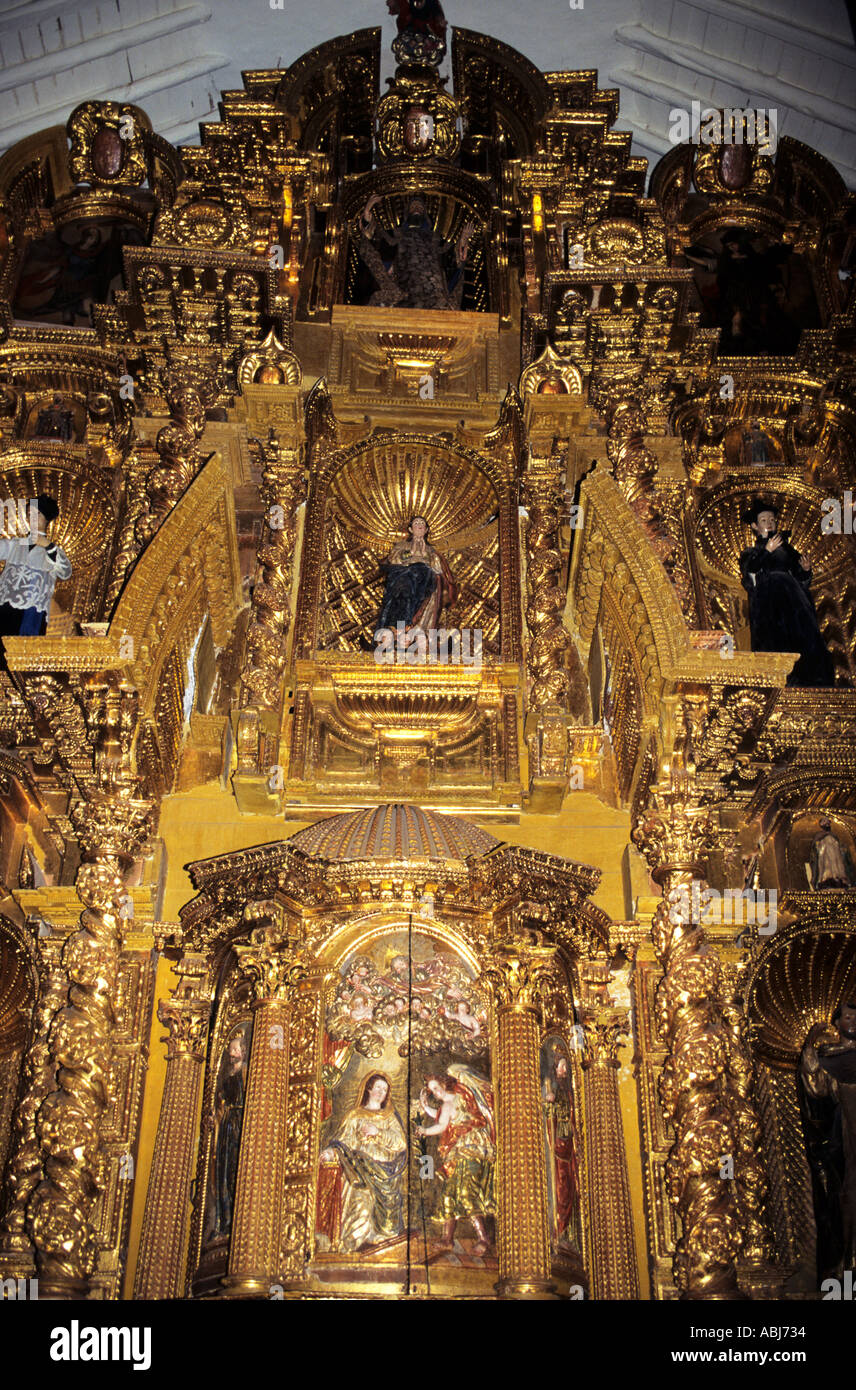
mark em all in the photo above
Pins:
pixel 421 26
pixel 419 583
pixel 827 1076
pixel 756 445
pixel 55 421
pixel 563 1193
pixel 831 864
pixel 460 1108
pixel 33 566
pixel 781 609
pixel 228 1121
pixel 413 267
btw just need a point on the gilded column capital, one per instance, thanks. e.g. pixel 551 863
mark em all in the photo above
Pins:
pixel 187 1021
pixel 521 976
pixel 604 1032
pixel 107 827
pixel 272 965
pixel 676 832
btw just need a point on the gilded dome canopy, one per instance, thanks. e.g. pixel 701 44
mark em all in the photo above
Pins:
pixel 394 831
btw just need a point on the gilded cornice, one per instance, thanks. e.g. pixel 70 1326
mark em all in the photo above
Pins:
pixel 512 884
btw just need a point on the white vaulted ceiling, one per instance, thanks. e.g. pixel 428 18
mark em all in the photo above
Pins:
pixel 172 57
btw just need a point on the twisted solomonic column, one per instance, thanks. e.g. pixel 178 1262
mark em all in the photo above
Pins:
pixel 110 832
pixel 749 1172
pixel 697 1087
pixel 549 640
pixel 24 1169
pixel 283 489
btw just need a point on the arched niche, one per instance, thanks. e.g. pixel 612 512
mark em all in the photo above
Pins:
pixel 223 1102
pixel 370 499
pixel 797 980
pixel 811 863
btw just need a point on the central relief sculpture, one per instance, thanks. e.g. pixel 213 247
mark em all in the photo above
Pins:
pixel 406 1049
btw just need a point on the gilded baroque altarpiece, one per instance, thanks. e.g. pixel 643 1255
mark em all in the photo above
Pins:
pixel 329 975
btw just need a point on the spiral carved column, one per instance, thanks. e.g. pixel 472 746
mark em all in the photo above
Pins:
pixel 177 446
pixel 548 639
pixel 160 1265
pixel 749 1173
pixel 24 1170
pixel 696 1089
pixel 283 489
pixel 255 1251
pixel 515 976
pixel 60 1212
pixel 614 1270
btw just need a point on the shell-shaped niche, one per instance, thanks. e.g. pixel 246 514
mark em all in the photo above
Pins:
pixel 381 488
pixel 800 982
pixel 721 534
pixel 86 522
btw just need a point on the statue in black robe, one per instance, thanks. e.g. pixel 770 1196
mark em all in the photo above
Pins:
pixel 228 1121
pixel 827 1092
pixel 782 617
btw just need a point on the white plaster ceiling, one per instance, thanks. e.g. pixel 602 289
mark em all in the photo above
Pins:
pixel 173 57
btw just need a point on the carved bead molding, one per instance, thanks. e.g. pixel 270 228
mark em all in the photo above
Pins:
pixel 613 1258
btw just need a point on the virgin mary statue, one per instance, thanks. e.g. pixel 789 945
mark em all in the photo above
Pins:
pixel 419 583
pixel 370 1150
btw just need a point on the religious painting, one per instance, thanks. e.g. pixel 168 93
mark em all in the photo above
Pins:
pixel 759 293
pixel 408 1143
pixel 226 1121
pixel 71 269
pixel 561 1141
